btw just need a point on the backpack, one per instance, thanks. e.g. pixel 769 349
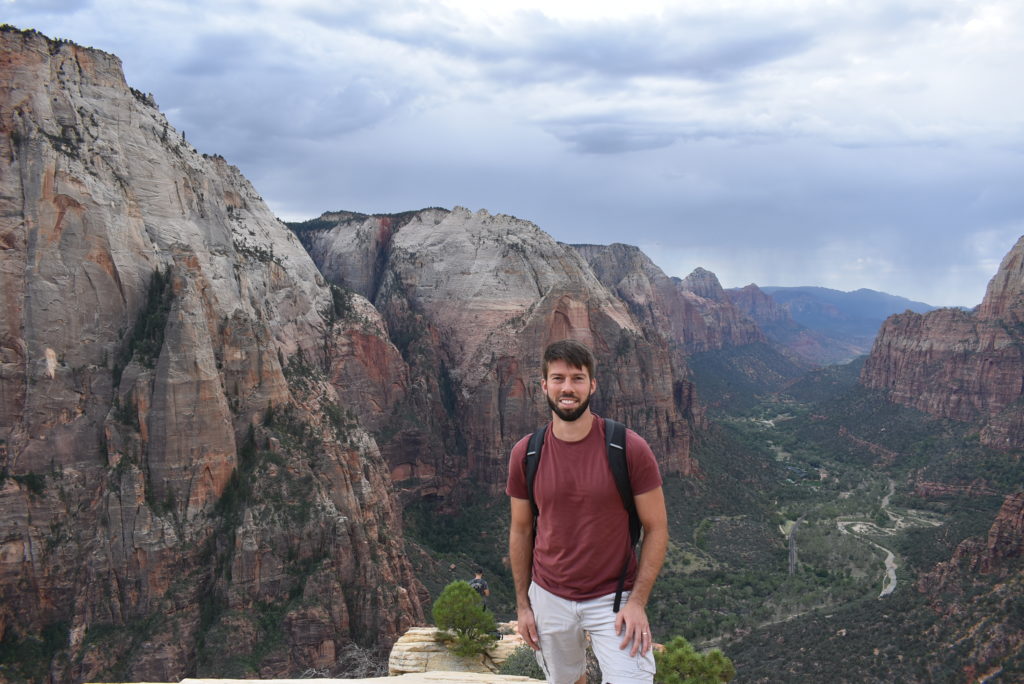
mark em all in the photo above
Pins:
pixel 615 444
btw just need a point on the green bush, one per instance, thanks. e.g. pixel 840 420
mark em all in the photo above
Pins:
pixel 522 662
pixel 462 620
pixel 679 663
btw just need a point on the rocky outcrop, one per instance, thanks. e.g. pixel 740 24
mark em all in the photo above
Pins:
pixel 418 650
pixel 694 313
pixel 958 364
pixel 470 300
pixel 187 481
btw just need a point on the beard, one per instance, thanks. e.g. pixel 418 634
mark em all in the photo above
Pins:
pixel 569 415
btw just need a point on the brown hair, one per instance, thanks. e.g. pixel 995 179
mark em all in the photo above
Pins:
pixel 573 353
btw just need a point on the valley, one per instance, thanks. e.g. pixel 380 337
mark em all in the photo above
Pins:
pixel 235 447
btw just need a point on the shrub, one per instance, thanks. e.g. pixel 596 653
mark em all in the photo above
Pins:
pixel 679 663
pixel 461 618
pixel 522 662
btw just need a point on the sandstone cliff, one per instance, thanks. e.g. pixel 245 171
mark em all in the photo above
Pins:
pixel 968 366
pixel 695 313
pixel 470 300
pixel 183 483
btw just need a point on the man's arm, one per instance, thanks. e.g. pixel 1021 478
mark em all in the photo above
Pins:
pixel 520 555
pixel 631 620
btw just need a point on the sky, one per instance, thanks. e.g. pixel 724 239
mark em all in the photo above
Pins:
pixel 849 145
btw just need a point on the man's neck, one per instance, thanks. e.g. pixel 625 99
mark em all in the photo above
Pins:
pixel 573 431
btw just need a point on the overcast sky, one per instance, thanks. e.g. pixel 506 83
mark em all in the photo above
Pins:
pixel 843 144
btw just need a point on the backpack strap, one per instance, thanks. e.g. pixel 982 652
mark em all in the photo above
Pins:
pixel 615 440
pixel 533 450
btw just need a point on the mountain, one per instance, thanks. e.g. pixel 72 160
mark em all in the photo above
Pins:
pixel 471 300
pixel 964 365
pixel 181 489
pixel 694 311
pixel 849 320
pixel 814 346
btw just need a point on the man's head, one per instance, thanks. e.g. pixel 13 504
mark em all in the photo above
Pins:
pixel 479 572
pixel 568 378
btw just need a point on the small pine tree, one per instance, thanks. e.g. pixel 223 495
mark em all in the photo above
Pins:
pixel 461 618
pixel 679 663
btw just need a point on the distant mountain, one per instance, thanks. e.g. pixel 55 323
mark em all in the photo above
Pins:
pixel 823 325
pixel 854 315
pixel 797 340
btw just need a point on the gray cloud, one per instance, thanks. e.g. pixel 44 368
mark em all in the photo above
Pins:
pixel 870 145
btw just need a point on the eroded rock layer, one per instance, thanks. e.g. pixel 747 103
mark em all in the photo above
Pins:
pixel 185 486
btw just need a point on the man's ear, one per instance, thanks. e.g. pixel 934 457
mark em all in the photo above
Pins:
pixel 593 385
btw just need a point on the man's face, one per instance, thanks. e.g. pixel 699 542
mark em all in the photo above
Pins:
pixel 568 390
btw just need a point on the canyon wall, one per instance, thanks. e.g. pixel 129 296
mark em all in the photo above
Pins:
pixel 182 487
pixel 694 313
pixel 965 365
pixel 470 300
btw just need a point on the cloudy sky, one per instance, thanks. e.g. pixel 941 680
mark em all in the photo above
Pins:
pixel 804 142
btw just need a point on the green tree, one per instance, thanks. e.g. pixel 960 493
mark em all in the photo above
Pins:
pixel 679 663
pixel 461 619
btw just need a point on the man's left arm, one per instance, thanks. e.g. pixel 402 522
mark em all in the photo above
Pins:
pixel 631 620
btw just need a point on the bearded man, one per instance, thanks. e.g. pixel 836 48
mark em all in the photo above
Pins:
pixel 572 558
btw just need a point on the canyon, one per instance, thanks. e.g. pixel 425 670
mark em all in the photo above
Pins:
pixel 213 424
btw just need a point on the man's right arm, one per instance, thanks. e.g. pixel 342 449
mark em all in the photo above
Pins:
pixel 520 554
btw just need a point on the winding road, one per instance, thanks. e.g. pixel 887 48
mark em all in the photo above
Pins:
pixel 865 529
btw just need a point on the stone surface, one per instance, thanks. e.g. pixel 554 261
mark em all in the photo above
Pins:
pixel 419 651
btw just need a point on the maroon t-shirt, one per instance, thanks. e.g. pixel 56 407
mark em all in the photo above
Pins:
pixel 582 537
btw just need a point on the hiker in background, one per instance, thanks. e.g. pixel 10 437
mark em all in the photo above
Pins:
pixel 480 584
pixel 571 574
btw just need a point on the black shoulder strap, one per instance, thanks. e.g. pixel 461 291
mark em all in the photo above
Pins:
pixel 533 450
pixel 615 437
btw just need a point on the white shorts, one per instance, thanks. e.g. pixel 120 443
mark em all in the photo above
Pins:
pixel 561 626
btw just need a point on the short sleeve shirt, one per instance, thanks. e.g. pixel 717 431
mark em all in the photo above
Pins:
pixel 582 539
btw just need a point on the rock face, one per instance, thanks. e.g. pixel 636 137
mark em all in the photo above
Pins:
pixel 185 483
pixel 695 312
pixel 471 300
pixel 982 572
pixel 419 651
pixel 968 366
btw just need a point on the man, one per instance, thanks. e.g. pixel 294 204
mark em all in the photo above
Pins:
pixel 480 584
pixel 566 576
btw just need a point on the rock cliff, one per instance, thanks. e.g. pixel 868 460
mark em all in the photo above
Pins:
pixel 695 313
pixel 470 300
pixel 964 365
pixel 185 481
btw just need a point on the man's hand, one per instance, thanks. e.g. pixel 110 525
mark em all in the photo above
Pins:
pixel 527 628
pixel 631 623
